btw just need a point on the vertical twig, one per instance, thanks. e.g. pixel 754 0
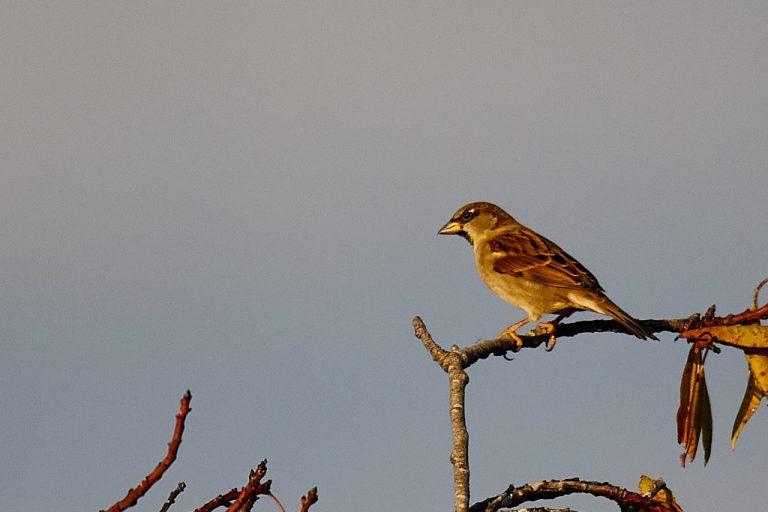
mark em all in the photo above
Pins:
pixel 308 500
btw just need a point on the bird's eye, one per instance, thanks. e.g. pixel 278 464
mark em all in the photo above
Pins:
pixel 467 215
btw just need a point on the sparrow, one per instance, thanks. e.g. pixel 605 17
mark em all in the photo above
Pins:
pixel 531 272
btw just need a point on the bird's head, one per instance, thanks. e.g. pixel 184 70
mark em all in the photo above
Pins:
pixel 476 220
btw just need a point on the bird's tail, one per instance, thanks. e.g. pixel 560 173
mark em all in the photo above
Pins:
pixel 629 323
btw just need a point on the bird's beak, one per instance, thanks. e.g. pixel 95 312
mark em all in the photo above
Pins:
pixel 451 228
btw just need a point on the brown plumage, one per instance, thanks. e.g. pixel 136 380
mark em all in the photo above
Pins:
pixel 530 271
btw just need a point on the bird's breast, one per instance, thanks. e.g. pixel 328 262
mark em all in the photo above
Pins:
pixel 533 297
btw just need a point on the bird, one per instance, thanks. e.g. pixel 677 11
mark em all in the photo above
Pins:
pixel 532 272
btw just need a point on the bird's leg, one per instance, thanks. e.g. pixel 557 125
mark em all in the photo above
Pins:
pixel 550 328
pixel 510 334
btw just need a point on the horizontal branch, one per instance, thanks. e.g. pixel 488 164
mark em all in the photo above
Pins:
pixel 551 489
pixel 543 509
pixel 500 346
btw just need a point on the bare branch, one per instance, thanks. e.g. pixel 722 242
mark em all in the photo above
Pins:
pixel 453 363
pixel 172 497
pixel 547 490
pixel 251 491
pixel 542 509
pixel 438 353
pixel 173 447
pixel 457 383
pixel 222 500
pixel 308 500
pixel 500 346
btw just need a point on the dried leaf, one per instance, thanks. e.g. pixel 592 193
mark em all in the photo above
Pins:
pixel 694 415
pixel 705 419
pixel 686 382
pixel 753 341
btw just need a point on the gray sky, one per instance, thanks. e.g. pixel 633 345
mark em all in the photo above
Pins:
pixel 242 199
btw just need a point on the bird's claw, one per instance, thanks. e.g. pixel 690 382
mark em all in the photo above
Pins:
pixel 510 334
pixel 548 328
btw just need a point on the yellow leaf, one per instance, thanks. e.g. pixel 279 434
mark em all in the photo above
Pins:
pixel 741 336
pixel 662 493
pixel 757 388
pixel 749 404
pixel 758 367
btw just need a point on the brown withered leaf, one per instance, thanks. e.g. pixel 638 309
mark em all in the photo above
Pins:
pixel 694 415
pixel 753 341
pixel 705 420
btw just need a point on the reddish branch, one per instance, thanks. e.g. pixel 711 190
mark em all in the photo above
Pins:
pixel 308 500
pixel 235 500
pixel 243 500
pixel 222 500
pixel 547 490
pixel 226 500
pixel 746 316
pixel 251 491
pixel 173 447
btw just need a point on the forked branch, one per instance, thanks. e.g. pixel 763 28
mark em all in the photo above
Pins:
pixel 456 360
pixel 236 500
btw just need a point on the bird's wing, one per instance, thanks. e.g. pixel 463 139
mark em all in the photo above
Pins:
pixel 524 253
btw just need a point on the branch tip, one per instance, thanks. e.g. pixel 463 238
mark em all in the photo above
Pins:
pixel 137 492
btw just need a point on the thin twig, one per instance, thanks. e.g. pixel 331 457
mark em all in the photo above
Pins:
pixel 277 501
pixel 757 292
pixel 222 500
pixel 438 353
pixel 173 447
pixel 308 500
pixel 172 497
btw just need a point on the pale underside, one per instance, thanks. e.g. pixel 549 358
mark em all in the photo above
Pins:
pixel 534 297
